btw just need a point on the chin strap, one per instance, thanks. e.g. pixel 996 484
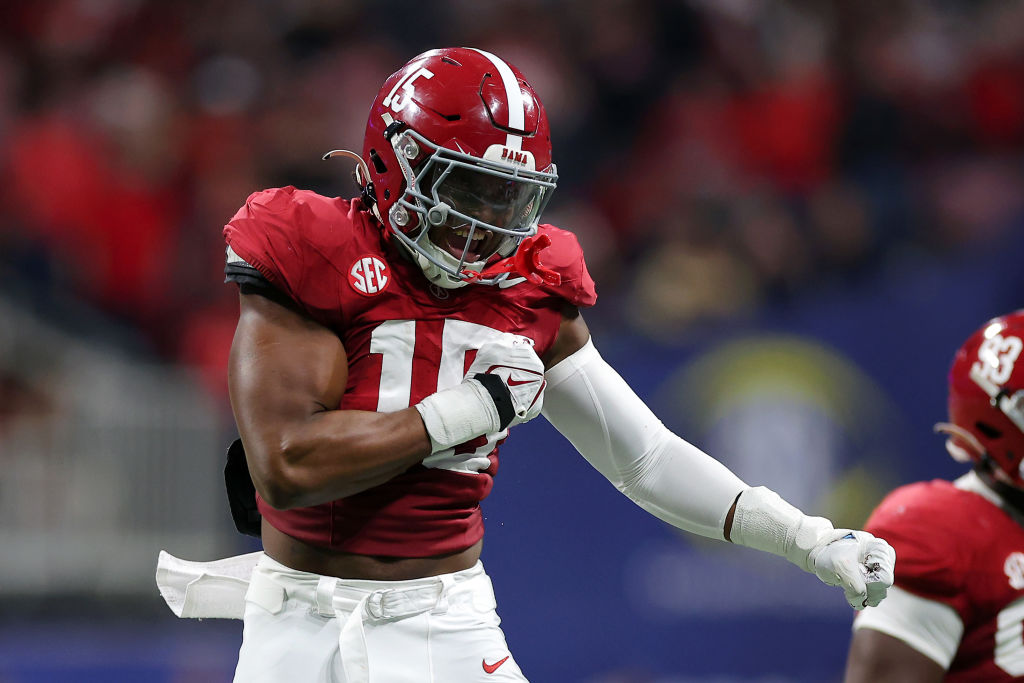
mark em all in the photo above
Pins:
pixel 525 262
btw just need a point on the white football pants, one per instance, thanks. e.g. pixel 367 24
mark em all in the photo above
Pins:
pixel 306 628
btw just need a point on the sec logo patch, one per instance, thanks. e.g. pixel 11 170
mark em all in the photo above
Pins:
pixel 369 275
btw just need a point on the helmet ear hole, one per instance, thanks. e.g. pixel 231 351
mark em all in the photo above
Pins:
pixel 377 162
pixel 988 430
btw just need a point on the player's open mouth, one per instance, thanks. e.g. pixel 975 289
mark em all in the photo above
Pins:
pixel 457 242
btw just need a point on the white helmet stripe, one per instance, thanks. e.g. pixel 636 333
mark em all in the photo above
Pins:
pixel 516 108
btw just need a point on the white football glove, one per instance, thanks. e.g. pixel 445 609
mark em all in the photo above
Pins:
pixel 503 387
pixel 860 563
pixel 512 358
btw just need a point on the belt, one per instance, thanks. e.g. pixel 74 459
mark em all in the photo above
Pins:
pixel 364 601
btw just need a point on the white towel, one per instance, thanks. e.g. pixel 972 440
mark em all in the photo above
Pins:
pixel 205 590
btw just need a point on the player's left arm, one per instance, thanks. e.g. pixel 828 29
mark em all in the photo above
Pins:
pixel 593 407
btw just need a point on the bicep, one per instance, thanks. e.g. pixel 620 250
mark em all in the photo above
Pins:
pixel 876 657
pixel 573 334
pixel 283 368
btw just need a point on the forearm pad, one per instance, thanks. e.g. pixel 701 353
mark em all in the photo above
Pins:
pixel 480 405
pixel 764 521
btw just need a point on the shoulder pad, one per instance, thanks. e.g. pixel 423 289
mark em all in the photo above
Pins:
pixel 293 238
pixel 565 256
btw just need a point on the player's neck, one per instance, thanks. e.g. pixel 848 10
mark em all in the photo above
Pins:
pixel 1012 497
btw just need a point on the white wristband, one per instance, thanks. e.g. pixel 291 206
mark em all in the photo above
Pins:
pixel 458 414
pixel 764 521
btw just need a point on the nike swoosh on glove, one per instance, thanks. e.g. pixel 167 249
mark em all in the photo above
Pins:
pixel 512 359
pixel 860 563
pixel 503 387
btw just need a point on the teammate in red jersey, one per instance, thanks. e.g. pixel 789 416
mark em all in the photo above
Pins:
pixel 385 346
pixel 957 609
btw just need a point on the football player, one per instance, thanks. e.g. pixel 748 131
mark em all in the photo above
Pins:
pixel 956 611
pixel 386 344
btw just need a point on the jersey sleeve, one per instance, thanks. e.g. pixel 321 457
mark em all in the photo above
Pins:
pixel 283 235
pixel 565 256
pixel 930 562
pixel 241 273
pixel 932 628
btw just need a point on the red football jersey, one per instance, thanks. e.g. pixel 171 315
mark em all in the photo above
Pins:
pixel 957 548
pixel 405 339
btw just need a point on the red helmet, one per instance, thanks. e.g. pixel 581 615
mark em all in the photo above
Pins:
pixel 459 156
pixel 986 398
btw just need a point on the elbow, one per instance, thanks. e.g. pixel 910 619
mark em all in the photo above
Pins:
pixel 636 479
pixel 636 491
pixel 279 494
pixel 277 479
pixel 278 491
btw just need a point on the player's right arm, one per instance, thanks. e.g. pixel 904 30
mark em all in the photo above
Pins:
pixel 286 373
pixel 877 657
pixel 288 367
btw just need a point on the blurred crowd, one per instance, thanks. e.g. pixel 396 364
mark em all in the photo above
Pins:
pixel 713 155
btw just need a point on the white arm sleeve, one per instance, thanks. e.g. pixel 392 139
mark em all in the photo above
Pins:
pixel 930 627
pixel 593 407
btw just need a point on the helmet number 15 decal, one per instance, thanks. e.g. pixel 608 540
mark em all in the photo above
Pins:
pixel 996 358
pixel 397 100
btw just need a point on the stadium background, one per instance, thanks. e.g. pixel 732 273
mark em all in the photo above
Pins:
pixel 795 211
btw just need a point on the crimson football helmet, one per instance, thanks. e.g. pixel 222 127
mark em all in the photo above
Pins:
pixel 458 162
pixel 986 399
